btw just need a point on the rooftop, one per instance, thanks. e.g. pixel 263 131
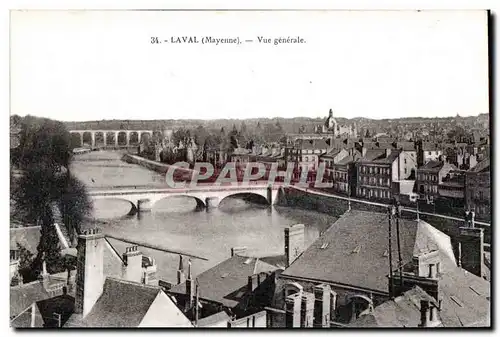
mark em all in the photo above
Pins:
pixel 356 253
pixel 226 283
pixel 465 303
pixel 125 304
pixel 312 144
pixel 482 166
pixel 28 237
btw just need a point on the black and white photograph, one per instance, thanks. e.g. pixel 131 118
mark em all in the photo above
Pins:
pixel 250 169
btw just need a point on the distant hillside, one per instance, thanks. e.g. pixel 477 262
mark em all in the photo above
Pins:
pixel 288 124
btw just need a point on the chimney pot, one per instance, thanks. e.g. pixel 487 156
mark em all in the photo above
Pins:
pixel 432 270
pixel 424 314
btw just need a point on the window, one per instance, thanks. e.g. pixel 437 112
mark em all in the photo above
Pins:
pixel 380 181
pixel 405 170
pixel 388 182
pixel 405 160
pixel 14 255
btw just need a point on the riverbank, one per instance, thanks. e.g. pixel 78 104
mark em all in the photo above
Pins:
pixel 150 164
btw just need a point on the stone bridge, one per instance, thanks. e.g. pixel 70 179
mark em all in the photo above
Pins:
pixel 96 138
pixel 144 199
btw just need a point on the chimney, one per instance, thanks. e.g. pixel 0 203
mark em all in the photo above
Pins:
pixel 181 277
pixel 90 274
pixel 428 314
pixel 422 263
pixel 432 271
pixel 190 291
pixel 363 151
pixel 424 314
pixel 252 283
pixel 322 303
pixel 45 275
pixel 424 274
pixel 293 305
pixel 472 251
pixel 132 269
pixel 387 152
pixel 307 310
pixel 294 242
pixel 240 251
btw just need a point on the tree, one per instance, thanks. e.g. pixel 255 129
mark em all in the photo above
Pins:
pixel 46 185
pixel 181 135
pixel 243 129
pixel 234 131
pixel 25 269
pixel 74 204
pixel 42 140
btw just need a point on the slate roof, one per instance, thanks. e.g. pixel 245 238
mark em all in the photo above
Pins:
pixel 388 159
pixel 331 154
pixel 312 144
pixel 405 146
pixel 213 319
pixel 24 295
pixel 403 311
pixel 465 303
pixel 357 250
pixel 23 320
pixel 122 304
pixel 482 166
pixel 429 146
pixel 434 165
pixel 28 237
pixel 372 155
pixel 45 311
pixel 226 283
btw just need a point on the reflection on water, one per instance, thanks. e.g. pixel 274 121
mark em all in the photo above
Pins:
pixel 175 224
pixel 211 234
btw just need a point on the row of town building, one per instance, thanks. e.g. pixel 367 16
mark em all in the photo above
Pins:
pixel 446 173
pixel 453 175
pixel 346 278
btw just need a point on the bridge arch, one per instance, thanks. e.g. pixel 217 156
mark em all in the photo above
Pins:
pixel 145 137
pixel 76 139
pixel 134 138
pixel 200 204
pixel 122 138
pixel 87 138
pixel 131 211
pixel 110 138
pixel 99 138
pixel 254 197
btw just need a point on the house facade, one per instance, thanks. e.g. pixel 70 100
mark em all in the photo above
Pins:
pixel 478 190
pixel 430 176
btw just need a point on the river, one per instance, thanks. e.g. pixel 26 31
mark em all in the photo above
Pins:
pixel 175 224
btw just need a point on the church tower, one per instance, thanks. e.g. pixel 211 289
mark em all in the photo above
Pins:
pixel 330 123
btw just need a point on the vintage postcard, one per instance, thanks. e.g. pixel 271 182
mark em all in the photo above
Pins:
pixel 250 169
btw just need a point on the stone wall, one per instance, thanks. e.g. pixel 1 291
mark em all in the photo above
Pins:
pixel 149 164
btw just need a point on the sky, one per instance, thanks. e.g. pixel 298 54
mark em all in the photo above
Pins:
pixel 94 65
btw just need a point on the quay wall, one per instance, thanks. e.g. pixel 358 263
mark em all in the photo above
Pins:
pixel 151 164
